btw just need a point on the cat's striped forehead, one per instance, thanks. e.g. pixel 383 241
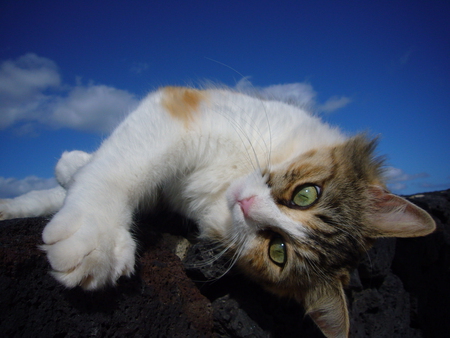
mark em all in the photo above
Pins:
pixel 350 164
pixel 334 227
pixel 343 174
pixel 313 167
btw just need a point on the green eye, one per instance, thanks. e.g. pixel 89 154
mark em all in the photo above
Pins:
pixel 277 251
pixel 306 195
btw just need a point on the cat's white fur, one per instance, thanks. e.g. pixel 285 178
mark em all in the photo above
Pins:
pixel 224 139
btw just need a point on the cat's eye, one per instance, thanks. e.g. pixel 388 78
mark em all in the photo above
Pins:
pixel 277 250
pixel 306 195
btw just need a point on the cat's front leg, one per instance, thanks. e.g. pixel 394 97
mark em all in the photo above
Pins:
pixel 88 242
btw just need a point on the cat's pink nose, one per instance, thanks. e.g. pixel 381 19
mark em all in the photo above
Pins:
pixel 246 204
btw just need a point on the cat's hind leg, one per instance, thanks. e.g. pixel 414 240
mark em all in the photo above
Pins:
pixel 46 202
pixel 69 163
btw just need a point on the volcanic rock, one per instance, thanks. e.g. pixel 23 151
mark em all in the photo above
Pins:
pixel 400 289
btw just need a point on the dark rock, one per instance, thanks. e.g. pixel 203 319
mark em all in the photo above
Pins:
pixel 423 264
pixel 401 289
pixel 377 263
pixel 383 311
pixel 159 301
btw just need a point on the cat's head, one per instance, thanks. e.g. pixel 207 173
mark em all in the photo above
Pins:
pixel 300 228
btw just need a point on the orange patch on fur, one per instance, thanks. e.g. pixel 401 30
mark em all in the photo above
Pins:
pixel 182 103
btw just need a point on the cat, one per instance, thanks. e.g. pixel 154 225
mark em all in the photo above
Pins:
pixel 294 201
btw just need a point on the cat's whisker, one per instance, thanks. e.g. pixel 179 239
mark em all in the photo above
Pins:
pixel 317 270
pixel 269 129
pixel 224 249
pixel 360 242
pixel 242 131
pixel 245 140
pixel 213 259
pixel 236 255
pixel 229 264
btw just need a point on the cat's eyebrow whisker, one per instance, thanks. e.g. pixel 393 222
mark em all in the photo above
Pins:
pixel 241 132
pixel 269 155
pixel 243 137
pixel 255 94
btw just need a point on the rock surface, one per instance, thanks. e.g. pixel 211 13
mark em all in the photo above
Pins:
pixel 401 289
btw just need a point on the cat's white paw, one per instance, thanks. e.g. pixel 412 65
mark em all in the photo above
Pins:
pixel 83 252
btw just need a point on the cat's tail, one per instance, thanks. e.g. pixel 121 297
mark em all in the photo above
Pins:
pixel 46 202
pixel 33 204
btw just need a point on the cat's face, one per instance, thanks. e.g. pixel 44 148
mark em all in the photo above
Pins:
pixel 300 227
pixel 304 221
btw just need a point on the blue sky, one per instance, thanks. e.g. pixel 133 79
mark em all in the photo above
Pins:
pixel 70 70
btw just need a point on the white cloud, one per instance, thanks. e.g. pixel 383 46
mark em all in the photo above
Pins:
pixel 92 108
pixel 301 94
pixel 27 75
pixel 31 92
pixel 23 83
pixel 12 187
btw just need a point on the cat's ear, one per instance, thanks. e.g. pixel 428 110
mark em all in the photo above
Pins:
pixel 393 216
pixel 327 306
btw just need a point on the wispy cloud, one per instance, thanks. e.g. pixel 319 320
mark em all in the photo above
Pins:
pixel 399 180
pixel 398 175
pixel 139 67
pixel 301 94
pixel 405 58
pixel 426 186
pixel 12 187
pixel 334 103
pixel 31 92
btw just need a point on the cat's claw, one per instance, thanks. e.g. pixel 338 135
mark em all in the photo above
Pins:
pixel 91 257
